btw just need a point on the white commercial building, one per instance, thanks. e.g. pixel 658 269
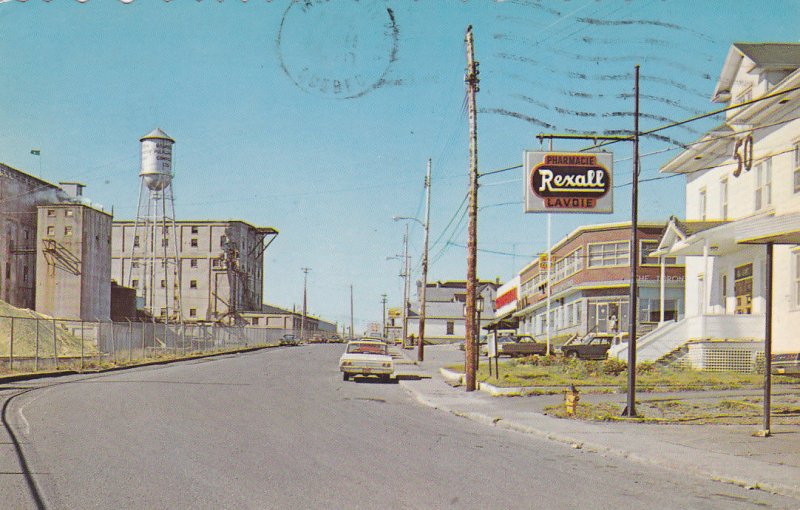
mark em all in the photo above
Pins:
pixel 742 194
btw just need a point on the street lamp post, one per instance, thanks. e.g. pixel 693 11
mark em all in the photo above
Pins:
pixel 423 291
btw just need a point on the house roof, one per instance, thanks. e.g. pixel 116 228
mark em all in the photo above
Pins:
pixel 768 56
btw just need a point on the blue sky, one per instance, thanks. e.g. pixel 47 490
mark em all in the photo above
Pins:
pixel 246 90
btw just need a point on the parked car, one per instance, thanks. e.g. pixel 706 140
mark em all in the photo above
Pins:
pixel 592 346
pixel 363 357
pixel 335 339
pixel 523 345
pixel 289 339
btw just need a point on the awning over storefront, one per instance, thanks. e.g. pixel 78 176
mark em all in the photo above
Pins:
pixel 505 321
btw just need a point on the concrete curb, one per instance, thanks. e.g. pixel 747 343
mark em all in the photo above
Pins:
pixel 59 373
pixel 594 447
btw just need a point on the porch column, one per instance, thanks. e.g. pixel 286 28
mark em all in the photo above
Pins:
pixel 661 290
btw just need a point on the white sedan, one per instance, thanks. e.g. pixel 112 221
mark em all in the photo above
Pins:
pixel 366 358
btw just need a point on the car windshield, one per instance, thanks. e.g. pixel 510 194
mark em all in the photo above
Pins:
pixel 366 348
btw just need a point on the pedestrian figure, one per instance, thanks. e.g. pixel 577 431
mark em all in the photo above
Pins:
pixel 612 323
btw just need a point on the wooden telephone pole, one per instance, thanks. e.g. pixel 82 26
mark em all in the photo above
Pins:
pixel 470 348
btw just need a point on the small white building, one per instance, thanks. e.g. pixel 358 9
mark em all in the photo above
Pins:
pixel 742 192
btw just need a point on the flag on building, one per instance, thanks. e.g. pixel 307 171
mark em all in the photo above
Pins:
pixel 36 152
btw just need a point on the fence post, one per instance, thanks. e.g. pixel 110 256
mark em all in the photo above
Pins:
pixel 113 343
pixel 82 329
pixel 36 355
pixel 11 347
pixel 143 333
pixel 130 340
pixel 55 345
pixel 183 336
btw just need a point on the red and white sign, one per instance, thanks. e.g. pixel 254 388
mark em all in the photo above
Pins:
pixel 568 182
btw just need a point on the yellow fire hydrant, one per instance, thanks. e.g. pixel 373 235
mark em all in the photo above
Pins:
pixel 571 398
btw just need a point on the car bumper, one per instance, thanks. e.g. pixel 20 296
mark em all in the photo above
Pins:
pixel 367 370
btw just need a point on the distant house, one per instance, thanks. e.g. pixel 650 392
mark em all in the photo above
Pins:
pixel 444 317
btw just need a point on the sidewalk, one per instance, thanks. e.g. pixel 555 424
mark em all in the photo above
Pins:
pixel 727 453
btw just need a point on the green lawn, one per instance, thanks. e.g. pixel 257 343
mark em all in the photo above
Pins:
pixel 607 376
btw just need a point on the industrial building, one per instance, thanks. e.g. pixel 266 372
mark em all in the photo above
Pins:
pixel 20 194
pixel 73 261
pixel 220 268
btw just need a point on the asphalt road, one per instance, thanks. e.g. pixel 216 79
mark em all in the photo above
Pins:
pixel 280 429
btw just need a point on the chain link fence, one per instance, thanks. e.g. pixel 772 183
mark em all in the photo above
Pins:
pixel 36 343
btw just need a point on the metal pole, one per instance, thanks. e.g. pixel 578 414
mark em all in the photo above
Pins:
pixel 472 88
pixel 303 318
pixel 630 409
pixel 385 335
pixel 11 347
pixel 549 274
pixel 406 284
pixel 130 340
pixel 422 296
pixel 113 343
pixel 144 327
pixel 36 355
pixel 55 345
pixel 82 340
pixel 352 335
pixel 768 346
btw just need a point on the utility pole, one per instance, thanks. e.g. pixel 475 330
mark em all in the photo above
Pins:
pixel 630 408
pixel 472 81
pixel 352 335
pixel 405 286
pixel 383 300
pixel 422 311
pixel 303 318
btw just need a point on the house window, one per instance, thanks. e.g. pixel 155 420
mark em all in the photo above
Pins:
pixel 135 284
pixel 193 263
pixel 450 327
pixel 163 312
pixel 135 264
pixel 255 321
pixel 51 231
pixel 701 204
pixel 723 199
pixel 647 247
pixel 193 284
pixel 68 230
pixel 69 213
pixel 609 254
pixel 164 241
pixel 764 184
pixel 195 230
pixel 163 284
pixel 796 167
pixel 136 241
pixel 222 241
pixel 193 242
pixel 192 312
pixel 51 213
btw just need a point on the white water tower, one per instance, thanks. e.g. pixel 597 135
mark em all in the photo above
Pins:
pixel 155 269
